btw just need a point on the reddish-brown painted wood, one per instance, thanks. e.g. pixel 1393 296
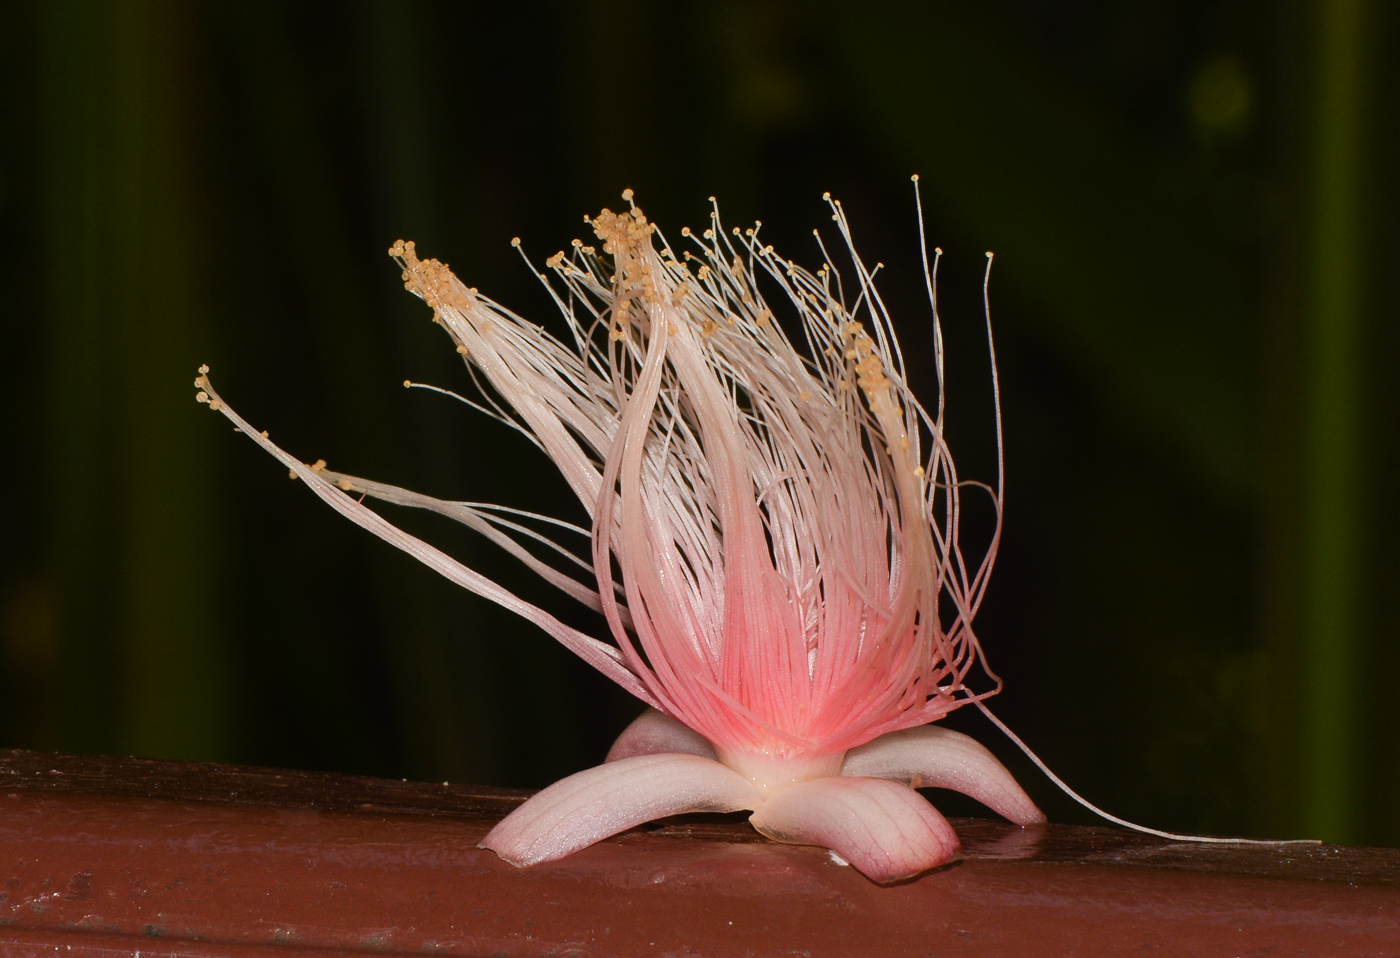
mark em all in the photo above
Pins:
pixel 102 856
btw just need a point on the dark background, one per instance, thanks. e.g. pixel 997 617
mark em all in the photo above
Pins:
pixel 1194 209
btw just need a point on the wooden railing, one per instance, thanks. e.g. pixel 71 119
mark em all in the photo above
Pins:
pixel 105 856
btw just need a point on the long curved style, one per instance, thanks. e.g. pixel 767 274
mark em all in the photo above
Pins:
pixel 793 604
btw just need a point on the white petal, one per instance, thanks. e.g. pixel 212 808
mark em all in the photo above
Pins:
pixel 577 811
pixel 939 757
pixel 884 829
pixel 654 732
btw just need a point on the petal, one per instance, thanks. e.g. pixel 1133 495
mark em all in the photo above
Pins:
pixel 577 811
pixel 942 758
pixel 654 732
pixel 884 829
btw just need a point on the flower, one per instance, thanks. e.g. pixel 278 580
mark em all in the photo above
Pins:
pixel 793 604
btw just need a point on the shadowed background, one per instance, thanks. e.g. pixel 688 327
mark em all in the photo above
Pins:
pixel 1194 210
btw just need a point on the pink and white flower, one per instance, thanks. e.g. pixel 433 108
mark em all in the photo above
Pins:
pixel 793 604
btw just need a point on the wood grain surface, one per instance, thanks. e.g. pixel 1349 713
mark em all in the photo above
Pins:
pixel 115 856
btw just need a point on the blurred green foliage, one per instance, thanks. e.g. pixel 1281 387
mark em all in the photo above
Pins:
pixel 1193 206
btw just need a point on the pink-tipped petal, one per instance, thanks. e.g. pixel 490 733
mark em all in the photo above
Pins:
pixel 886 830
pixel 942 758
pixel 577 811
pixel 654 732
